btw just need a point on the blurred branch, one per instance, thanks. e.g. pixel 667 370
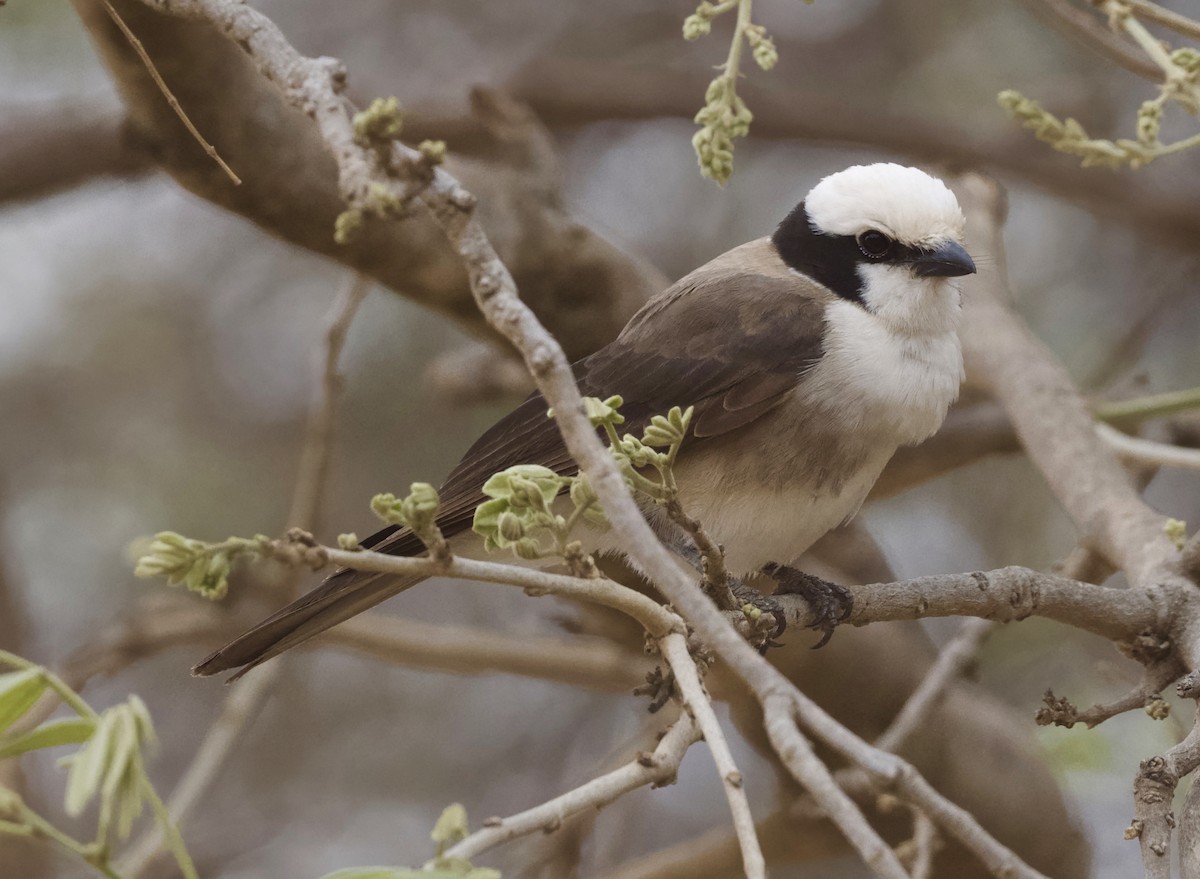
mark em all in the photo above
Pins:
pixel 580 285
pixel 51 146
pixel 566 92
pixel 970 432
pixel 1143 451
pixel 1166 17
pixel 594 663
pixel 1151 406
pixel 318 434
pixel 1084 27
pixel 1050 416
pixel 952 661
pixel 479 371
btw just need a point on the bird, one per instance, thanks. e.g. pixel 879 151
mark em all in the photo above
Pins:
pixel 810 356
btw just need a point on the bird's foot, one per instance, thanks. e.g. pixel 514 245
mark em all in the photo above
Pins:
pixel 830 603
pixel 767 619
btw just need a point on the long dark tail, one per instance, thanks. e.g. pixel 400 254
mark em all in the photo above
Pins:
pixel 340 597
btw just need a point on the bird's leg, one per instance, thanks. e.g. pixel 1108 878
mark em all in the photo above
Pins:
pixel 722 594
pixel 830 603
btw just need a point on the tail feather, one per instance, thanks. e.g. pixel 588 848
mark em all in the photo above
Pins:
pixel 340 597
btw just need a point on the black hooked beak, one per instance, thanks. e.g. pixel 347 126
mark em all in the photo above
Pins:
pixel 947 260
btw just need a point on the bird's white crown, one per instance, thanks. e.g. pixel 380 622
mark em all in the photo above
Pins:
pixel 906 204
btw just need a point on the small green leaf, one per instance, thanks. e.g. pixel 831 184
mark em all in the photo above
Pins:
pixel 487 515
pixel 451 826
pixel 110 763
pixel 88 765
pixel 68 731
pixel 507 482
pixel 377 873
pixel 19 690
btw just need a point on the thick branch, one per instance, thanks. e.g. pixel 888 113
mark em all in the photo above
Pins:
pixel 581 286
pixel 1003 595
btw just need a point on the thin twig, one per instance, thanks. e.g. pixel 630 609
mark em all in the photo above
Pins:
pixel 1143 451
pixel 171 99
pixel 1151 406
pixel 926 842
pixel 952 660
pixel 712 556
pixel 1086 28
pixel 656 768
pixel 314 459
pixel 675 650
pixel 654 618
pixel 1181 24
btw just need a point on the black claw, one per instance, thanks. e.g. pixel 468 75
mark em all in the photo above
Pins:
pixel 830 603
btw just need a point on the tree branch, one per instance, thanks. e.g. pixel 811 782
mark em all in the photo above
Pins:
pixel 1086 28
pixel 1051 418
pixel 657 768
pixel 696 702
pixel 797 754
pixel 48 147
pixel 582 287
pixel 1003 595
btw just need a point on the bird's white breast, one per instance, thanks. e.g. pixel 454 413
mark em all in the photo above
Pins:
pixel 770 492
pixel 889 382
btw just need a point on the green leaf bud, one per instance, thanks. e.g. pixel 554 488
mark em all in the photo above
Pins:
pixel 510 527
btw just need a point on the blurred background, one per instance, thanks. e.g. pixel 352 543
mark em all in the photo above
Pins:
pixel 156 358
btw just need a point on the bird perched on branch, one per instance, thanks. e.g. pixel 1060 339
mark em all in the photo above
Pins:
pixel 810 356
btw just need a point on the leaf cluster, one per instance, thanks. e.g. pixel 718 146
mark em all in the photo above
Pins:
pixel 108 769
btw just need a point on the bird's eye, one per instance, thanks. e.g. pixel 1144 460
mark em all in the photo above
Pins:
pixel 874 244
